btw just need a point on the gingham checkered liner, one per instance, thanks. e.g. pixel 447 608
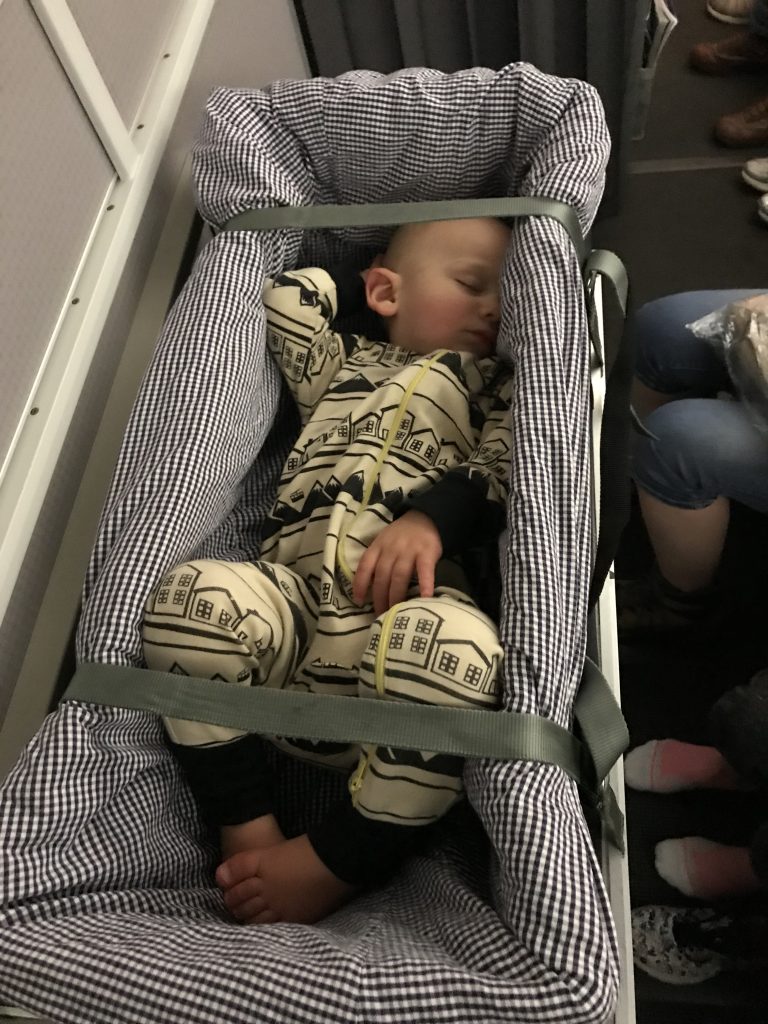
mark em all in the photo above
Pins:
pixel 109 911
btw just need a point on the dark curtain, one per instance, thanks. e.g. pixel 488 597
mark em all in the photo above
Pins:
pixel 599 41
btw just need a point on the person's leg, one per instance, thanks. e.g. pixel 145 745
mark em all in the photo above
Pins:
pixel 687 542
pixel 234 622
pixel 700 454
pixel 671 362
pixel 245 624
pixel 440 650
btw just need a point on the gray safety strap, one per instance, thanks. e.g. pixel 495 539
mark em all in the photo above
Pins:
pixel 260 709
pixel 393 214
pixel 460 731
pixel 609 266
pixel 605 735
pixel 602 729
pixel 597 261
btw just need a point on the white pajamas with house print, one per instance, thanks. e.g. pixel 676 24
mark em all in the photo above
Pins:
pixel 383 429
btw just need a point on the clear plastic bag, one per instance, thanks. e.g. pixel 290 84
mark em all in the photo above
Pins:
pixel 739 332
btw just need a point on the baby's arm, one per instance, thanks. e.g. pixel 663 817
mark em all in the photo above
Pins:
pixel 300 307
pixel 464 508
pixel 468 503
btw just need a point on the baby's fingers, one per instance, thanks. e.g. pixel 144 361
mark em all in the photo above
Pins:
pixel 425 572
pixel 364 575
pixel 400 581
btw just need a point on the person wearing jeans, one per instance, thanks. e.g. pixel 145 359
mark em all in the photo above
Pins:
pixel 700 453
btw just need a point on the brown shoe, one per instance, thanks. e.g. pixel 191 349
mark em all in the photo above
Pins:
pixel 747 127
pixel 742 52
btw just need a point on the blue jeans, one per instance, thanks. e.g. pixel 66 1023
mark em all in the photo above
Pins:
pixel 702 447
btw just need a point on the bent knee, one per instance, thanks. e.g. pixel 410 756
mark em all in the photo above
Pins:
pixel 191 610
pixel 433 651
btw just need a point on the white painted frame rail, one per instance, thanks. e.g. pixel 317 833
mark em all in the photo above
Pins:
pixel 76 59
pixel 615 864
pixel 26 473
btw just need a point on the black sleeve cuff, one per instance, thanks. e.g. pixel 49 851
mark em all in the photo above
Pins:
pixel 350 288
pixel 460 509
pixel 230 781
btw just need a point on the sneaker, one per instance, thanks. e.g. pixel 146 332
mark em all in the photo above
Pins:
pixel 650 605
pixel 755 173
pixel 748 127
pixel 664 954
pixel 762 208
pixel 739 53
pixel 732 12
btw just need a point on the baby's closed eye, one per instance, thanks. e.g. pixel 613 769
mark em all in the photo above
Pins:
pixel 471 286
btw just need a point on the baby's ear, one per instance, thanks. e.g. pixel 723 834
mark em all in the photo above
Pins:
pixel 381 290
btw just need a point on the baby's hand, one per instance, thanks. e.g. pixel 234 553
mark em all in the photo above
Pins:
pixel 408 547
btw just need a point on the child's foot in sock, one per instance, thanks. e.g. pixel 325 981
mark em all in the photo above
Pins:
pixel 704 869
pixel 285 882
pixel 669 766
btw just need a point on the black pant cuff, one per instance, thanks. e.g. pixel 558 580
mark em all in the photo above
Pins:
pixel 361 851
pixel 230 781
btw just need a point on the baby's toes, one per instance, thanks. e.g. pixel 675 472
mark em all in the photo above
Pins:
pixel 266 916
pixel 245 898
pixel 237 868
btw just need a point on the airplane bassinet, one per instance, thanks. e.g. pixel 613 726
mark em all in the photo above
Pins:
pixel 109 909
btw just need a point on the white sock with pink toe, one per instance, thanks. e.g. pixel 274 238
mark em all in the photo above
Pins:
pixel 671 766
pixel 704 869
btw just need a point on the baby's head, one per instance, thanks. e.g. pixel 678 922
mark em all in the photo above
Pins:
pixel 437 285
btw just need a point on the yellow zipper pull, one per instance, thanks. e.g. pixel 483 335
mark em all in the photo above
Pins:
pixel 356 779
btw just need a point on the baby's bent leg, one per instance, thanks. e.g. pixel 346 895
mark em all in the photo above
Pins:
pixel 230 621
pixel 440 650
pixel 242 623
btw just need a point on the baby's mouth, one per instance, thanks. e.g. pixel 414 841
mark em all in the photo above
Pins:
pixel 484 337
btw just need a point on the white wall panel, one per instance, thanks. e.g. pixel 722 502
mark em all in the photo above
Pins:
pixel 54 175
pixel 248 42
pixel 126 39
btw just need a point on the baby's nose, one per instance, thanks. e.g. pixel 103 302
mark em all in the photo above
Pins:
pixel 491 308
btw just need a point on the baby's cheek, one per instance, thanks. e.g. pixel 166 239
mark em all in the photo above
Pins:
pixel 445 314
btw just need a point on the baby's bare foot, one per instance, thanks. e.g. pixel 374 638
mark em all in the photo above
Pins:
pixel 250 835
pixel 285 882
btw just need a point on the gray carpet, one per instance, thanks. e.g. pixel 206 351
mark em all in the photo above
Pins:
pixel 686 219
